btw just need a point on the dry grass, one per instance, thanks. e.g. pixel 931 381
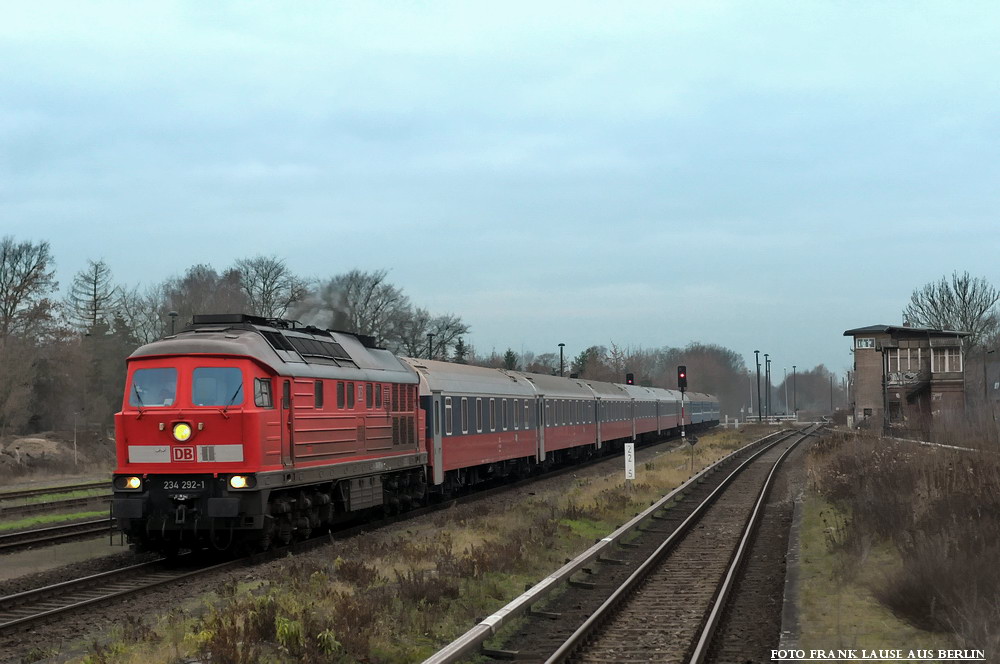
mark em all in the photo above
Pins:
pixel 937 511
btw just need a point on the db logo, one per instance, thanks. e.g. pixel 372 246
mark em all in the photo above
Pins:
pixel 183 453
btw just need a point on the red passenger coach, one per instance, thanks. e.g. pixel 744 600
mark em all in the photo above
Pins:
pixel 246 430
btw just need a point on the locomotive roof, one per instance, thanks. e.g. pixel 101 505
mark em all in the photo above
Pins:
pixel 287 350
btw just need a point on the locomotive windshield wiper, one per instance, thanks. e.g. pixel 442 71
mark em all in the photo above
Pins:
pixel 231 400
pixel 138 397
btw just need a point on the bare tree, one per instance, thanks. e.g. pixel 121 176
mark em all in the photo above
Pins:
pixel 270 287
pixel 370 302
pixel 93 296
pixel 17 357
pixel 447 329
pixel 144 312
pixel 963 303
pixel 202 290
pixel 409 332
pixel 26 280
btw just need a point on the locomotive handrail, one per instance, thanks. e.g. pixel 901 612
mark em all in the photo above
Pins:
pixel 473 639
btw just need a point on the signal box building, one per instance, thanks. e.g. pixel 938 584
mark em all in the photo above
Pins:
pixel 907 378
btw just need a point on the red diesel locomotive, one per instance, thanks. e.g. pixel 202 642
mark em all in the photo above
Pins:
pixel 244 431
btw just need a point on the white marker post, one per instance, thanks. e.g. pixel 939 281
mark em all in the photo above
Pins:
pixel 629 462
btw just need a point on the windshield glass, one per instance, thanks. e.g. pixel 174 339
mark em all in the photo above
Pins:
pixel 153 387
pixel 217 386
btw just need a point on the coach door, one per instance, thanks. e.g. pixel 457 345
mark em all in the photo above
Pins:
pixel 542 407
pixel 287 424
pixel 437 431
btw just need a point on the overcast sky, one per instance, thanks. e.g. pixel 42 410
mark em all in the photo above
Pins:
pixel 756 174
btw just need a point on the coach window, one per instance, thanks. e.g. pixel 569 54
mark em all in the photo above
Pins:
pixel 465 415
pixel 516 404
pixel 369 395
pixel 447 416
pixel 318 398
pixel 378 396
pixel 262 393
pixel 493 415
pixel 217 386
pixel 350 396
pixel 503 414
pixel 479 414
pixel 437 417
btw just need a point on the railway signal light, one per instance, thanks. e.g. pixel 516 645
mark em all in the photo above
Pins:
pixel 630 379
pixel 682 377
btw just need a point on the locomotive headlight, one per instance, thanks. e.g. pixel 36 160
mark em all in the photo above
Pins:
pixel 238 481
pixel 182 432
pixel 128 483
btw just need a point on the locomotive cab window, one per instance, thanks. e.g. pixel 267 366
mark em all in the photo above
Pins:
pixel 153 387
pixel 262 393
pixel 217 386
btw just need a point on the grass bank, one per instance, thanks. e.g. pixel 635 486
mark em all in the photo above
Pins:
pixel 899 543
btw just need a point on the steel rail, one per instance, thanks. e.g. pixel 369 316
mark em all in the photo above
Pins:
pixel 52 534
pixel 46 491
pixel 471 642
pixel 52 505
pixel 109 588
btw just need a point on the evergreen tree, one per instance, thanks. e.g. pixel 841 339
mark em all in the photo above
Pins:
pixel 93 296
pixel 461 351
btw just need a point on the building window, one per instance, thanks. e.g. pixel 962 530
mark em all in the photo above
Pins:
pixel 947 359
pixel 864 342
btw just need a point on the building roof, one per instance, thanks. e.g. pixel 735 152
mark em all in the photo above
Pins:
pixel 904 330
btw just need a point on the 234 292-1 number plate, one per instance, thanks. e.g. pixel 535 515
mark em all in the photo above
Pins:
pixel 183 485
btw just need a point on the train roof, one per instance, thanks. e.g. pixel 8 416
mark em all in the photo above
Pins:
pixel 285 348
pixel 467 379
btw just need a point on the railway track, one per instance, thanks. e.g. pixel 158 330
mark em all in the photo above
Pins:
pixel 26 609
pixel 655 589
pixel 34 606
pixel 47 491
pixel 8 511
pixel 25 539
